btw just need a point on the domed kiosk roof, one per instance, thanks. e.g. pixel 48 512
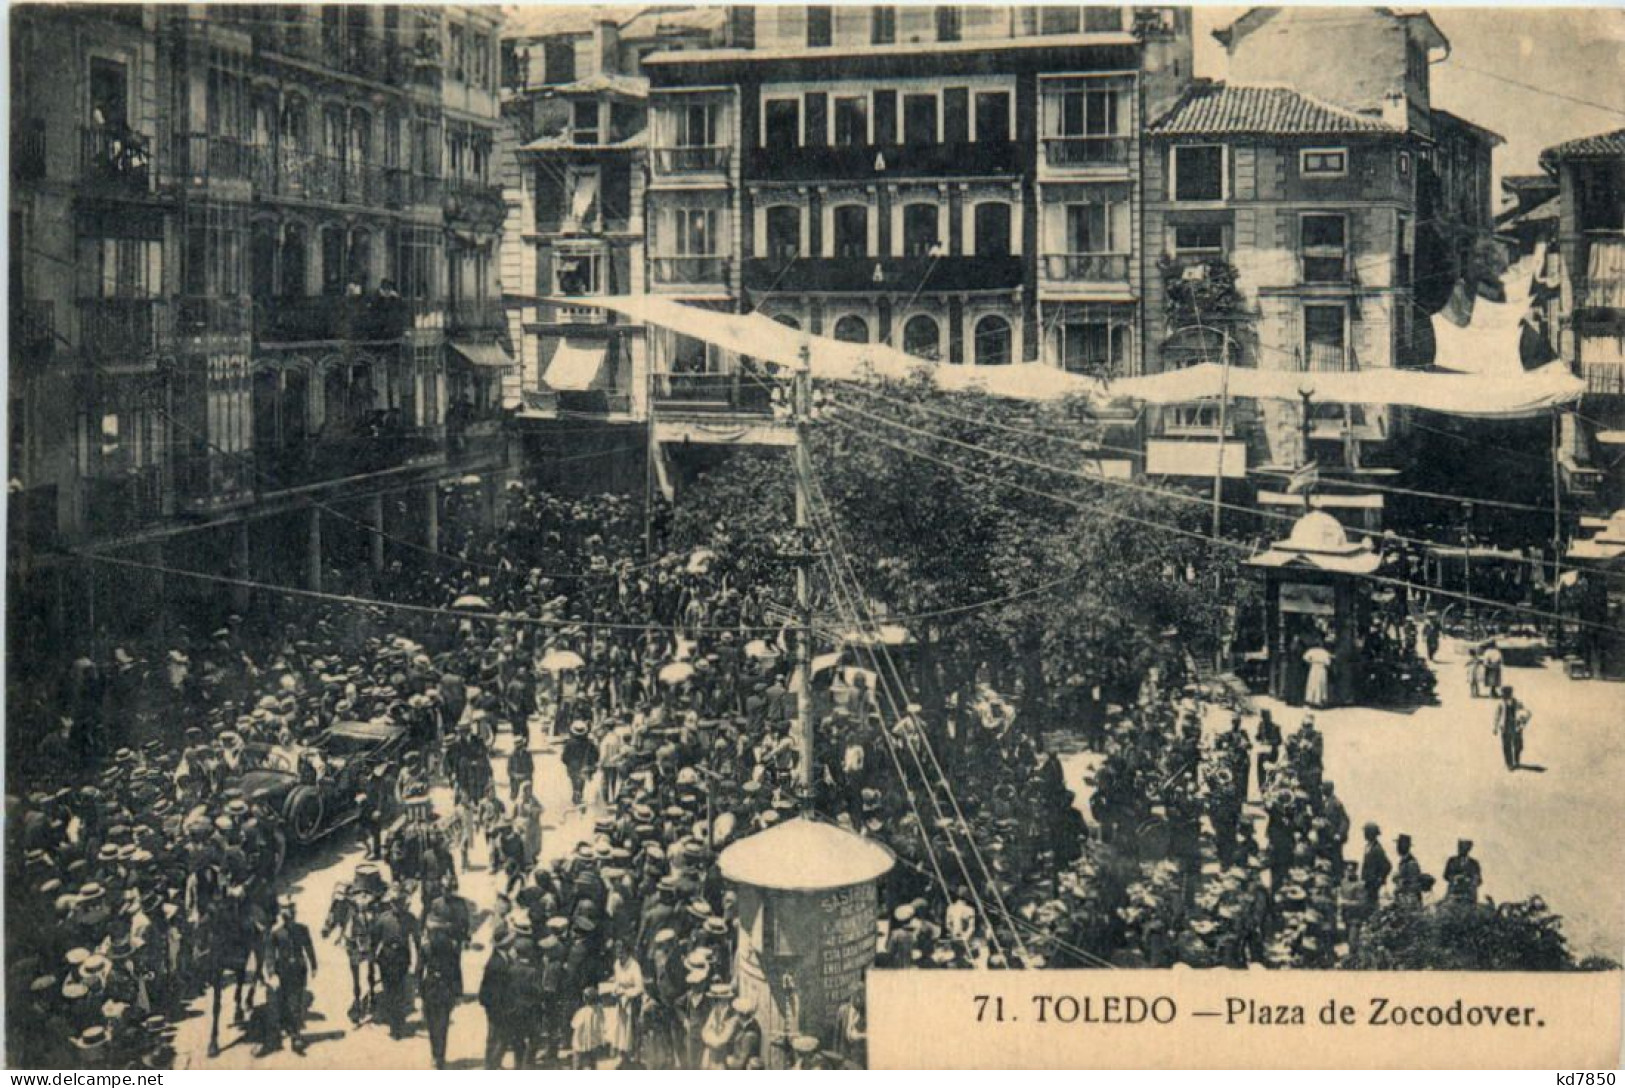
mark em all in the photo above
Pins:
pixel 802 855
pixel 1318 540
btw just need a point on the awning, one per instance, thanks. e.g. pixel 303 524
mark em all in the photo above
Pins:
pixel 576 366
pixel 1321 502
pixel 1610 438
pixel 482 353
pixel 1526 393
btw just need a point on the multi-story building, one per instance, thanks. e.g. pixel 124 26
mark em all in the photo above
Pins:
pixel 254 268
pixel 1288 212
pixel 1590 204
pixel 575 108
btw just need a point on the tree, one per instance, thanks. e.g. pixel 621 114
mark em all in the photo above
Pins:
pixel 1518 936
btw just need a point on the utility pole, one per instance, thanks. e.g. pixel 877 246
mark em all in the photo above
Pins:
pixel 800 406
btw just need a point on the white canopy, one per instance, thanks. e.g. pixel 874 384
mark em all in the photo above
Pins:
pixel 802 856
pixel 1507 396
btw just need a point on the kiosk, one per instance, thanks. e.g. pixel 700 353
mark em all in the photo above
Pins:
pixel 1312 598
pixel 808 926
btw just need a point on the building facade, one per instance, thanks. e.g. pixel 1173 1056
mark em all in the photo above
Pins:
pixel 1590 237
pixel 576 124
pixel 1305 217
pixel 254 270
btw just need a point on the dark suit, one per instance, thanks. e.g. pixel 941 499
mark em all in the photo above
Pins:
pixel 291 955
pixel 442 986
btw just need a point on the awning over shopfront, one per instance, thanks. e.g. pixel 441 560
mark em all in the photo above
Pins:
pixel 577 365
pixel 480 353
pixel 1321 502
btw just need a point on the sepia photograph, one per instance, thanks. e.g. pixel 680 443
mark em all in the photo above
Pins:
pixel 713 537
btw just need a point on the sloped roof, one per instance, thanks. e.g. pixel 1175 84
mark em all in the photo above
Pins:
pixel 1603 145
pixel 634 20
pixel 1419 22
pixel 607 83
pixel 1515 182
pixel 1218 109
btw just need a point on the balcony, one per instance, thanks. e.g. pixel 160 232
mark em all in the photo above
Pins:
pixel 301 175
pixel 475 201
pixel 123 333
pixel 370 444
pixel 691 160
pixel 706 271
pixel 115 159
pixel 124 501
pixel 1086 152
pixel 199 157
pixel 368 54
pixel 476 315
pixel 309 319
pixel 713 393
pixel 199 316
pixel 863 161
pixel 908 274
pixel 1604 379
pixel 1087 267
pixel 28 149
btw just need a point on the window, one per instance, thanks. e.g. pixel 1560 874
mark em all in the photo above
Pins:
pixel 783 126
pixel 920 118
pixel 993 229
pixel 955 115
pixel 584 121
pixel 885 118
pixel 1193 418
pixel 950 20
pixel 852 329
pixel 109 93
pixel 688 355
pixel 851 122
pixel 1325 250
pixel 123 267
pixel 560 61
pixel 921 337
pixel 1095 347
pixel 851 230
pixel 578 273
pixel 1324 162
pixel 1402 250
pixel 1199 240
pixel 1059 20
pixel 992 117
pixel 1086 112
pixel 992 341
pixel 820 24
pixel 1404 164
pixel 919 229
pixel 459 53
pixel 783 231
pixel 1099 227
pixel 816 127
pixel 1323 338
pixel 1199 172
pixel 694 125
pixel 696 230
pixel 883 25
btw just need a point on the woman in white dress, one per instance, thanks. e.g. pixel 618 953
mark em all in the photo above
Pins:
pixel 1317 689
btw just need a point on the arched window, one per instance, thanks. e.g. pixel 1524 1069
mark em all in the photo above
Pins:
pixel 922 338
pixel 851 230
pixel 992 341
pixel 852 329
pixel 295 125
pixel 787 321
pixel 919 229
pixel 993 229
pixel 262 244
pixel 784 231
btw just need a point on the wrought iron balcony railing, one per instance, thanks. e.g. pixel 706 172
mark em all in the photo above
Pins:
pixel 1083 151
pixel 1087 267
pixel 707 270
pixel 116 157
pixel 691 160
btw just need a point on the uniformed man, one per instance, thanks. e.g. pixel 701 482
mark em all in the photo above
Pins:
pixel 396 941
pixel 1410 883
pixel 1462 875
pixel 440 985
pixel 1375 866
pixel 288 954
pixel 1510 721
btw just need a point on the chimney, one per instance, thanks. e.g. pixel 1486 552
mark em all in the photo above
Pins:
pixel 606 41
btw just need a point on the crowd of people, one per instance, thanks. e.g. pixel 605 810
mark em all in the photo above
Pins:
pixel 145 874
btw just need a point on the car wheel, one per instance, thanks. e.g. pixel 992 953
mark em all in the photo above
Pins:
pixel 303 814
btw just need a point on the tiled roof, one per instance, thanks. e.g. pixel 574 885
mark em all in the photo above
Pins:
pixel 1217 109
pixel 1601 146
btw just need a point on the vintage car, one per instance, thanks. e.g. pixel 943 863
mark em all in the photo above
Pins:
pixel 314 785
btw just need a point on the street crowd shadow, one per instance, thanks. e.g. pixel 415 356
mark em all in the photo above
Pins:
pixel 1534 767
pixel 466 1063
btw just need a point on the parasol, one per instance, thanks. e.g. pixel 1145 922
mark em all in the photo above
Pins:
pixel 560 660
pixel 826 661
pixel 469 601
pixel 700 561
pixel 676 672
pixel 757 649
